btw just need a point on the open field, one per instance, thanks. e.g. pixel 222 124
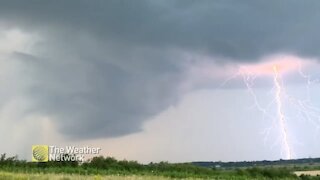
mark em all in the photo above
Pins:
pixel 310 173
pixel 41 176
pixel 23 176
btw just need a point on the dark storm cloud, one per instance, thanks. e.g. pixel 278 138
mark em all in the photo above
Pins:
pixel 93 97
pixel 104 67
pixel 238 29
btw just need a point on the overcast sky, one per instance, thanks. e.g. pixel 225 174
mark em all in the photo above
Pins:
pixel 159 80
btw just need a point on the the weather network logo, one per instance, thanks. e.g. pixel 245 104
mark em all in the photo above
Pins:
pixel 40 153
pixel 45 153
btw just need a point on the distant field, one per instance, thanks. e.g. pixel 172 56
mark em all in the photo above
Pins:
pixel 310 173
pixel 22 176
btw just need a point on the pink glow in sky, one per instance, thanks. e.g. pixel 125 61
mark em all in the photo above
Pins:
pixel 285 64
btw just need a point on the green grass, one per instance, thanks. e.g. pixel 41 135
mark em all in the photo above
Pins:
pixel 56 176
pixel 40 176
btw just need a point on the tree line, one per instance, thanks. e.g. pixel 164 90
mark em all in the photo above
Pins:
pixel 111 166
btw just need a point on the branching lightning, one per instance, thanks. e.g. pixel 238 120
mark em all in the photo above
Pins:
pixel 304 108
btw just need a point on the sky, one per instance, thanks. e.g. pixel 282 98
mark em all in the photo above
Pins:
pixel 168 80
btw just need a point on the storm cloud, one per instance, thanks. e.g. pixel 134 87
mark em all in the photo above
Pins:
pixel 101 68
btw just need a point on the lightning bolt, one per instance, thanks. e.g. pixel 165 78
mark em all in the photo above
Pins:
pixel 248 79
pixel 304 108
pixel 281 115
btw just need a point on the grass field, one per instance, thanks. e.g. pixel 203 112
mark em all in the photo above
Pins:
pixel 22 176
pixel 41 176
